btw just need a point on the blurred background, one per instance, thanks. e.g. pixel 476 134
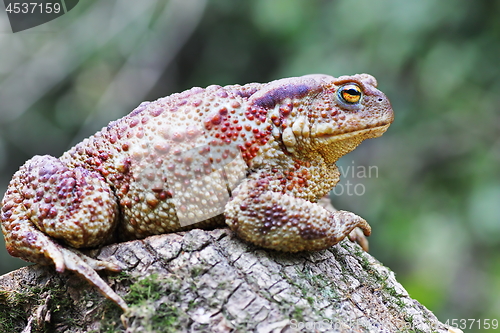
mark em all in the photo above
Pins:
pixel 434 200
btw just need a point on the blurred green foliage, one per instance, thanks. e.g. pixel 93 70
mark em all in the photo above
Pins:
pixel 435 203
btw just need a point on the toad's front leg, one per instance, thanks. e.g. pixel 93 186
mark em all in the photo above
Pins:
pixel 48 204
pixel 282 222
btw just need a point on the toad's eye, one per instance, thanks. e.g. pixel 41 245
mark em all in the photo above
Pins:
pixel 350 93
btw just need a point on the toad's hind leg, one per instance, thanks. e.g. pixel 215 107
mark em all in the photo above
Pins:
pixel 47 205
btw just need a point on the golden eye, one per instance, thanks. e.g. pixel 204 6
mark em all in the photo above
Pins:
pixel 350 93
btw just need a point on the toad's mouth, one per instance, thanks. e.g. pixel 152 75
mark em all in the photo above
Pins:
pixel 367 133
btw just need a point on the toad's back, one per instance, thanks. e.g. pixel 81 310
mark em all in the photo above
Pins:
pixel 172 163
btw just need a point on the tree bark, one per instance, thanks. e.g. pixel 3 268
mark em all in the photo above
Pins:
pixel 210 281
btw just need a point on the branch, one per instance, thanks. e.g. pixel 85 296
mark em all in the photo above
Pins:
pixel 211 281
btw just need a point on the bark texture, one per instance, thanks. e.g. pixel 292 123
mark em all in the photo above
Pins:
pixel 210 281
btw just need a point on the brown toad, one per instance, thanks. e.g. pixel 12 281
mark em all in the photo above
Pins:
pixel 257 156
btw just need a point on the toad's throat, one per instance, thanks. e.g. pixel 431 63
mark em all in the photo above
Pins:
pixel 331 147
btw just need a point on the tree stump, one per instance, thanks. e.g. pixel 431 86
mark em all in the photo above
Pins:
pixel 210 281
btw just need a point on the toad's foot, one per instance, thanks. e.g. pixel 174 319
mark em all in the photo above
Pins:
pixel 64 258
pixel 357 235
pixel 86 267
